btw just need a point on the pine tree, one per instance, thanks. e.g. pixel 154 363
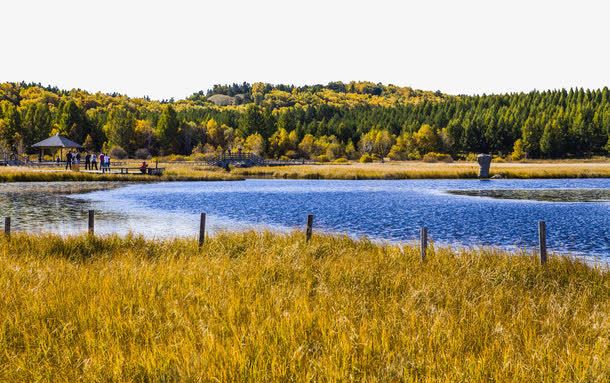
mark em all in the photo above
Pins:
pixel 531 138
pixel 72 122
pixel 552 140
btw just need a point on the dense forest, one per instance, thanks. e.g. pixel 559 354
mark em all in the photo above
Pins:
pixel 358 120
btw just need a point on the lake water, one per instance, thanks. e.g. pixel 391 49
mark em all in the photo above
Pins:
pixel 501 213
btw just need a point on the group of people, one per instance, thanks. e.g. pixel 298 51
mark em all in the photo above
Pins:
pixel 72 158
pixel 91 161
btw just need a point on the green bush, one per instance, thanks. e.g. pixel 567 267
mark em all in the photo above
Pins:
pixel 118 153
pixel 142 154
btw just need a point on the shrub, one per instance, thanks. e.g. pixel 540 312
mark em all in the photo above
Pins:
pixel 118 153
pixel 341 160
pixel 292 154
pixel 471 157
pixel 437 157
pixel 199 156
pixel 177 158
pixel 142 154
pixel 518 153
pixel 366 158
pixel 397 154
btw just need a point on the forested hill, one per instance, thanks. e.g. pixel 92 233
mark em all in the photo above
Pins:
pixel 324 122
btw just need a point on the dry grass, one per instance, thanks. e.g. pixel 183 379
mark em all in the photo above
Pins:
pixel 269 307
pixel 180 171
pixel 174 172
pixel 422 170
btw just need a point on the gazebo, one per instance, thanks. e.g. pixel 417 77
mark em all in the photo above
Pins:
pixel 56 142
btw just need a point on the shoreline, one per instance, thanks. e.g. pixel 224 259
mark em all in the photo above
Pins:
pixel 179 171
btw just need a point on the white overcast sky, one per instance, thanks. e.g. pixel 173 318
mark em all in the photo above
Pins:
pixel 173 48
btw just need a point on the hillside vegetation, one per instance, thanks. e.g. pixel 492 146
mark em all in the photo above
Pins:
pixel 358 120
pixel 269 307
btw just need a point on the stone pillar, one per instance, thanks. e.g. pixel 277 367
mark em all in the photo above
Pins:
pixel 484 161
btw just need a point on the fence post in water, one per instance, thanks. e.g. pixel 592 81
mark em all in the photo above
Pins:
pixel 7 226
pixel 91 222
pixel 542 241
pixel 309 229
pixel 202 229
pixel 423 242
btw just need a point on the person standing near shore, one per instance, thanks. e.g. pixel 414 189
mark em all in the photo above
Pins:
pixel 107 159
pixel 69 160
pixel 102 163
pixel 93 162
pixel 87 161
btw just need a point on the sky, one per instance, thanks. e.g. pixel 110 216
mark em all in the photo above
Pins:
pixel 165 49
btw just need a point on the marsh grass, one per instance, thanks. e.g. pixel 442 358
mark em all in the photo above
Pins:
pixel 180 171
pixel 422 170
pixel 173 173
pixel 269 307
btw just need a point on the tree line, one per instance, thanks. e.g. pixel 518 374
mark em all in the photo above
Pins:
pixel 323 122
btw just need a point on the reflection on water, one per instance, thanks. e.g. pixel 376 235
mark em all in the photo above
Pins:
pixel 550 195
pixel 62 207
pixel 36 207
pixel 387 210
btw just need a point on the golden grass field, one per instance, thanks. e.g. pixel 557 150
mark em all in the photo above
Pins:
pixel 268 307
pixel 185 171
pixel 174 172
pixel 422 170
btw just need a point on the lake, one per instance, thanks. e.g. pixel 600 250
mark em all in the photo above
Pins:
pixel 502 213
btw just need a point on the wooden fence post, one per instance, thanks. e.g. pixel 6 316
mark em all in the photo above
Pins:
pixel 7 226
pixel 423 242
pixel 202 229
pixel 309 229
pixel 91 222
pixel 542 241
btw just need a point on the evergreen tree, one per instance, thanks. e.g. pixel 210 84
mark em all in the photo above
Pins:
pixel 552 140
pixel 531 138
pixel 72 122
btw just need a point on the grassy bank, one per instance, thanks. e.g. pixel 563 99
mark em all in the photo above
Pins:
pixel 180 171
pixel 423 170
pixel 173 173
pixel 268 307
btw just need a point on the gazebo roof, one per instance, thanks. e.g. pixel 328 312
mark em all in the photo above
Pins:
pixel 57 141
